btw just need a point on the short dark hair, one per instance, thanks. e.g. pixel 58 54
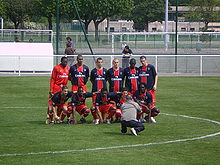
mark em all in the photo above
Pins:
pixel 64 87
pixel 64 57
pixel 139 86
pixel 126 47
pixel 98 59
pixel 143 57
pixel 68 38
pixel 104 90
pixel 124 89
pixel 79 55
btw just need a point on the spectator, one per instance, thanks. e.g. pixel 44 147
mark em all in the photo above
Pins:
pixel 69 40
pixel 17 39
pixel 127 52
pixel 69 51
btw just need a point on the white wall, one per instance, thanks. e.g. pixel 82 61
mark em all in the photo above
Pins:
pixel 26 56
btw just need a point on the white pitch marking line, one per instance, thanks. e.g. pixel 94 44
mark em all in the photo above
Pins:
pixel 21 107
pixel 126 146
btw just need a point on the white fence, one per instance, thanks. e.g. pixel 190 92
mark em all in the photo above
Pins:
pixel 166 65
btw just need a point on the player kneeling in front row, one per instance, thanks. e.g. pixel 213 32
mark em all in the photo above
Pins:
pixel 144 99
pixel 129 115
pixel 103 106
pixel 58 100
pixel 78 105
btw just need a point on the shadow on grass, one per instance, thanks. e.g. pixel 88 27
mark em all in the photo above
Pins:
pixel 37 122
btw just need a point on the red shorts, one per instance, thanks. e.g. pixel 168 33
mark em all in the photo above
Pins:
pixel 93 99
pixel 75 88
pixel 153 93
pixel 57 88
pixel 59 106
pixel 104 108
pixel 79 108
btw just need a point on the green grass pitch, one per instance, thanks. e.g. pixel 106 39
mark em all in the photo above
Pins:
pixel 23 102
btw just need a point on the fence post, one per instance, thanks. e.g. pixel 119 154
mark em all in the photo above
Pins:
pixel 201 65
pixel 19 65
pixel 113 43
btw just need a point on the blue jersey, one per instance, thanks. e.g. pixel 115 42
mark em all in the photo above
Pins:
pixel 115 79
pixel 98 78
pixel 80 100
pixel 144 98
pixel 131 78
pixel 147 75
pixel 59 99
pixel 79 75
pixel 102 100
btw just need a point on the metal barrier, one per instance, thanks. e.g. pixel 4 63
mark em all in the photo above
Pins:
pixel 166 65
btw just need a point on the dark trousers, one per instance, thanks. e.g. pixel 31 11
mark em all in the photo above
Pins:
pixel 125 62
pixel 132 124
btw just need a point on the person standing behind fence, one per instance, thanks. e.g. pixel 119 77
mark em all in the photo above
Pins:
pixel 148 76
pixel 129 115
pixel 127 52
pixel 79 74
pixel 69 51
pixel 69 40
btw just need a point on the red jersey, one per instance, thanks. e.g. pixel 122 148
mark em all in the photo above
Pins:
pixel 59 78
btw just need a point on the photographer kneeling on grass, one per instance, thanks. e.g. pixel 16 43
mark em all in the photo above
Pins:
pixel 129 115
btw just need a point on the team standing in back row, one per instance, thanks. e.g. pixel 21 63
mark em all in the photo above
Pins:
pixel 140 83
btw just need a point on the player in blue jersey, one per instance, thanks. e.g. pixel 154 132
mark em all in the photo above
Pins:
pixel 98 78
pixel 104 106
pixel 59 100
pixel 131 75
pixel 144 99
pixel 148 76
pixel 79 74
pixel 115 76
pixel 78 104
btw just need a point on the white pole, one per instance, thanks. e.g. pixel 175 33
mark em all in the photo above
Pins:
pixel 166 25
pixel 2 26
pixel 113 43
pixel 201 65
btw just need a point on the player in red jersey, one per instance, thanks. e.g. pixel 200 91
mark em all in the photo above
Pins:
pixel 144 99
pixel 98 78
pixel 131 75
pixel 115 77
pixel 79 74
pixel 58 100
pixel 148 76
pixel 59 79
pixel 78 104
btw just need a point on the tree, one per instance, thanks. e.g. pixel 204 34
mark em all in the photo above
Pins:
pixel 205 11
pixel 2 9
pixel 47 8
pixel 18 10
pixel 180 2
pixel 97 11
pixel 146 11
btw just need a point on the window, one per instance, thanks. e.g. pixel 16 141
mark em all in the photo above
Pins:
pixel 192 29
pixel 183 29
pixel 154 29
pixel 112 29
